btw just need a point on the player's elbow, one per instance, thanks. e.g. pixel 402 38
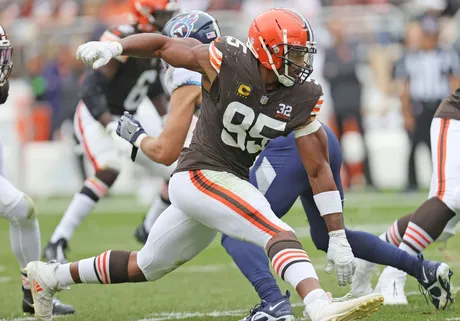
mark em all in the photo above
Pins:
pixel 314 170
pixel 168 156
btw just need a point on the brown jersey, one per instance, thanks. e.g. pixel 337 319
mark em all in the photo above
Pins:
pixel 450 106
pixel 238 116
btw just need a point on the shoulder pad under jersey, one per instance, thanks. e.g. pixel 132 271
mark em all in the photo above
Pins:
pixel 178 77
pixel 226 48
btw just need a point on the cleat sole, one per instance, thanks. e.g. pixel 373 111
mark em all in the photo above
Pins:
pixel 363 310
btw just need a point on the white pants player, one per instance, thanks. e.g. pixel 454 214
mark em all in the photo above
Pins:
pixel 104 151
pixel 18 208
pixel 445 179
pixel 203 203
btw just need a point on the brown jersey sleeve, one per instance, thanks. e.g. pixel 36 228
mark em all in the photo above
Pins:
pixel 309 105
pixel 226 50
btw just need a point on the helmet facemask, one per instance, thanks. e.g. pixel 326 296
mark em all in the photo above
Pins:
pixel 6 61
pixel 296 59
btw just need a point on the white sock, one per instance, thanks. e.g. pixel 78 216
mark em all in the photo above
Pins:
pixel 403 246
pixel 415 239
pixel 158 207
pixel 63 275
pixel 293 266
pixel 383 237
pixel 317 294
pixel 315 302
pixel 24 232
pixel 78 210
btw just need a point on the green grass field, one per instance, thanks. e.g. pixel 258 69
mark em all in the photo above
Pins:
pixel 209 287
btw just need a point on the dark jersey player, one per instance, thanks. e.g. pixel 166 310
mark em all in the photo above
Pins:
pixel 17 207
pixel 106 93
pixel 251 94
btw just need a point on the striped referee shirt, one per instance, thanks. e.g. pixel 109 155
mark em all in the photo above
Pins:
pixel 428 72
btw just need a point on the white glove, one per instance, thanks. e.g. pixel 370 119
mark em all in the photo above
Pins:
pixel 96 53
pixel 340 256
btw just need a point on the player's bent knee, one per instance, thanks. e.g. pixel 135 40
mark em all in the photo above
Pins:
pixel 23 212
pixel 156 264
pixel 281 239
pixel 32 213
pixel 107 175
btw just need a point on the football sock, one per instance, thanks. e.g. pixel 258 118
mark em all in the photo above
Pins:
pixel 109 267
pixel 253 263
pixel 78 210
pixel 24 232
pixel 290 262
pixel 155 211
pixel 426 225
pixel 392 235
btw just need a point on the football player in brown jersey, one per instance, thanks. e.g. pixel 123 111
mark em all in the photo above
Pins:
pixel 437 217
pixel 251 93
pixel 121 85
pixel 17 207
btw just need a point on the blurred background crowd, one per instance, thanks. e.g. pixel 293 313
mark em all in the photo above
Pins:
pixel 374 59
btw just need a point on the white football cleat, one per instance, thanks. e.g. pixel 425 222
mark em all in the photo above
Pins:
pixel 44 285
pixel 362 278
pixel 354 309
pixel 391 286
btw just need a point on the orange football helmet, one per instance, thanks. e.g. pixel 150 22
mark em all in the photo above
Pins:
pixel 152 15
pixel 280 38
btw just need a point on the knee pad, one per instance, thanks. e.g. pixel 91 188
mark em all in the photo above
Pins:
pixel 23 211
pixel 32 214
pixel 155 264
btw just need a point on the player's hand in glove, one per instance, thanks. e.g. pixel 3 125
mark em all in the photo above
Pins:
pixel 96 53
pixel 130 129
pixel 340 257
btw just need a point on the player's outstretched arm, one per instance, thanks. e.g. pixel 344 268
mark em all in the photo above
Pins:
pixel 312 144
pixel 167 147
pixel 186 53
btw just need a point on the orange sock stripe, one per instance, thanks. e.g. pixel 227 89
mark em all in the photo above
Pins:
pixel 415 239
pixel 291 258
pixel 419 234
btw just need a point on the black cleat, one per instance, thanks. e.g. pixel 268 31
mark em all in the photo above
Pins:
pixel 58 307
pixel 56 251
pixel 435 282
pixel 141 234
